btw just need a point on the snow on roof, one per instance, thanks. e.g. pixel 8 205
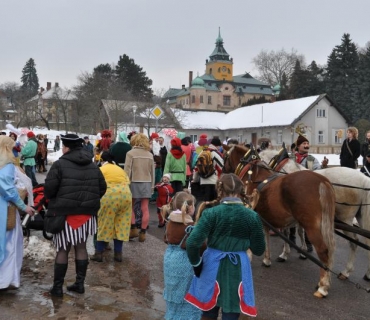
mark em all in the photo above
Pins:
pixel 269 114
pixel 199 119
pixel 56 92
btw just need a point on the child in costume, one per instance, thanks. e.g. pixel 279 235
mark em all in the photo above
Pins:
pixel 177 270
pixel 165 191
pixel 223 275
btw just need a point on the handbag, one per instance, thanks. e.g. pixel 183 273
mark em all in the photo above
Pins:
pixel 12 212
pixel 54 224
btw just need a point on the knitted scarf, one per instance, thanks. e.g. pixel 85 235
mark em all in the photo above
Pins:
pixel 177 152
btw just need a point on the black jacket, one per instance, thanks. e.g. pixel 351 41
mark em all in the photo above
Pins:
pixel 364 171
pixel 346 158
pixel 74 185
pixel 365 148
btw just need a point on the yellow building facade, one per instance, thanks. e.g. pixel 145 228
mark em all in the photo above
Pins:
pixel 218 89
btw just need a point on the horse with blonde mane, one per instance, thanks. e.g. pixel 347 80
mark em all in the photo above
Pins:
pixel 352 193
pixel 285 200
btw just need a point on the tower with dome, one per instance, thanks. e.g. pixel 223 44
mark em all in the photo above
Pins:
pixel 218 89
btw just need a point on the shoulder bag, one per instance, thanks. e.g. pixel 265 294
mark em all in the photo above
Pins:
pixel 350 151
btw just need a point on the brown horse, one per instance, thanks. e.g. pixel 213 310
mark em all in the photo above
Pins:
pixel 304 197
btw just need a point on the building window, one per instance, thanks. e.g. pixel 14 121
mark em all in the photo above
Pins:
pixel 50 116
pixel 280 136
pixel 193 99
pixel 209 99
pixel 227 101
pixel 210 71
pixel 187 101
pixel 193 137
pixel 320 138
pixel 338 136
pixel 320 113
pixel 201 99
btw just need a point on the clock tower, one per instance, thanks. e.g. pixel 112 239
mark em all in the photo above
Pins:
pixel 220 65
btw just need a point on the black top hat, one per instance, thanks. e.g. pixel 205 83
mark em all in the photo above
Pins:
pixel 71 140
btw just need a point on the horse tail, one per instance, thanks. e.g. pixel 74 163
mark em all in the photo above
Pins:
pixel 327 200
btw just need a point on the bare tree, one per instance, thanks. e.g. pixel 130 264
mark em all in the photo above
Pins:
pixel 18 98
pixel 272 65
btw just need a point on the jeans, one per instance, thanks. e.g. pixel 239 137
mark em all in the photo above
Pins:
pixel 30 172
pixel 213 314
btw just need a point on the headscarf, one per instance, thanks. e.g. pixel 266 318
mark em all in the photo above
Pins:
pixel 122 137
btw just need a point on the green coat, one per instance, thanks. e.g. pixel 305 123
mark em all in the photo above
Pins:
pixel 229 228
pixel 177 168
pixel 29 152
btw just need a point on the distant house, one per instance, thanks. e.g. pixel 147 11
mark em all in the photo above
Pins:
pixel 317 117
pixel 9 114
pixel 218 89
pixel 53 106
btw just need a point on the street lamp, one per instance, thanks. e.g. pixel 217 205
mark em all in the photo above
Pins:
pixel 134 108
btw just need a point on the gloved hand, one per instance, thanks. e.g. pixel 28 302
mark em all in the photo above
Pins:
pixel 198 269
pixel 324 163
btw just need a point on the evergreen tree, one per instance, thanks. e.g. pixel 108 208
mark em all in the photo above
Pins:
pixel 364 84
pixel 299 82
pixel 134 78
pixel 30 80
pixel 316 84
pixel 255 100
pixel 341 76
pixel 284 88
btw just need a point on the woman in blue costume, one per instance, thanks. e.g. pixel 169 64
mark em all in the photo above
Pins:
pixel 11 242
pixel 223 275
pixel 177 269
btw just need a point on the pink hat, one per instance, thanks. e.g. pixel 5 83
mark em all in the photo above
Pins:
pixel 203 140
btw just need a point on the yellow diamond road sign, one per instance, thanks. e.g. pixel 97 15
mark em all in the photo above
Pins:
pixel 157 112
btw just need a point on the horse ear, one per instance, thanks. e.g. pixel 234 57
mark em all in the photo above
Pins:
pixel 283 145
pixel 225 147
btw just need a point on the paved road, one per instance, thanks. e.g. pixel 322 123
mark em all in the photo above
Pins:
pixel 283 291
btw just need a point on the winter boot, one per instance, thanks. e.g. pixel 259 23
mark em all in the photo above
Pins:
pixel 78 286
pixel 142 235
pixel 118 256
pixel 98 256
pixel 134 232
pixel 308 243
pixel 60 271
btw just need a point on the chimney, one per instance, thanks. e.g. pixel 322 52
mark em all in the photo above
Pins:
pixel 183 86
pixel 56 84
pixel 48 86
pixel 190 78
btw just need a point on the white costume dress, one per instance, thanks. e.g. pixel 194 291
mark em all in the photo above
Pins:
pixel 11 242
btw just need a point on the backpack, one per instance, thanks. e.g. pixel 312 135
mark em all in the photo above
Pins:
pixel 204 164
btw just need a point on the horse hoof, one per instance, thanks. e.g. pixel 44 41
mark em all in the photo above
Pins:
pixel 302 257
pixel 366 278
pixel 280 259
pixel 319 295
pixel 266 265
pixel 341 276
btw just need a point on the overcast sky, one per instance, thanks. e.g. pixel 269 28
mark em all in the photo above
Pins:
pixel 167 38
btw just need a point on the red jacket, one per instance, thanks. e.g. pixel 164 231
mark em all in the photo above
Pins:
pixel 165 192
